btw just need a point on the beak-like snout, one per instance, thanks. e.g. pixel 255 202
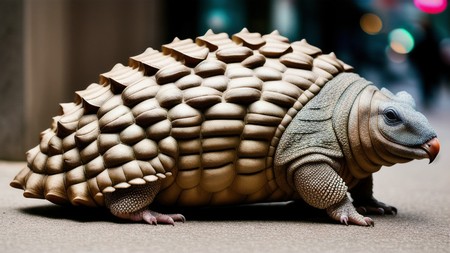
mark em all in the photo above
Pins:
pixel 432 148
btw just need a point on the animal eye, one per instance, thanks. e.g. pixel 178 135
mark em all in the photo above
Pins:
pixel 391 116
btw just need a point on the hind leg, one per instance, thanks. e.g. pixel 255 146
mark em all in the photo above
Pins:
pixel 132 204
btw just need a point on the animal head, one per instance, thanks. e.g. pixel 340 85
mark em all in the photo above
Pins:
pixel 394 128
pixel 400 123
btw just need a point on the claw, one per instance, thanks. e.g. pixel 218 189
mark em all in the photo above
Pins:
pixel 168 220
pixel 344 219
pixel 369 221
pixel 179 217
pixel 150 219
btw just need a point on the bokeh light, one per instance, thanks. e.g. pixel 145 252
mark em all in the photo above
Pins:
pixel 401 41
pixel 431 6
pixel 218 19
pixel 445 50
pixel 371 23
pixel 394 56
pixel 285 18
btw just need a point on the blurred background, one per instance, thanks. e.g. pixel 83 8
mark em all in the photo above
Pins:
pixel 51 48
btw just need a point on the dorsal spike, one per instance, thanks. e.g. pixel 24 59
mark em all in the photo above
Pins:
pixel 209 32
pixel 275 32
pixel 244 30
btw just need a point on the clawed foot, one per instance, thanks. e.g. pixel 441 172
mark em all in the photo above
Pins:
pixel 374 206
pixel 345 213
pixel 152 217
pixel 357 220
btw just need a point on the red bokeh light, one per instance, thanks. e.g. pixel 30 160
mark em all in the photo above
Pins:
pixel 431 6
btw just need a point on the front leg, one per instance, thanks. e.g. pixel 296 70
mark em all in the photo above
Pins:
pixel 364 201
pixel 321 187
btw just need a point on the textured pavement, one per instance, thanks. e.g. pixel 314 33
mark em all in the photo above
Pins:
pixel 421 192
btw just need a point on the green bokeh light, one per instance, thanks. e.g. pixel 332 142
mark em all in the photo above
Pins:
pixel 401 41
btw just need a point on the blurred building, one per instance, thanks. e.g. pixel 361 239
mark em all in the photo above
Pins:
pixel 51 48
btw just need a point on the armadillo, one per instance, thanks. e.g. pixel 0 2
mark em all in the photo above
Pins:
pixel 222 121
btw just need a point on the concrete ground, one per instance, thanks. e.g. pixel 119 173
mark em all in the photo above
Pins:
pixel 421 192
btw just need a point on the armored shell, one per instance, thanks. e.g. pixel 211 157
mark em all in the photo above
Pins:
pixel 203 116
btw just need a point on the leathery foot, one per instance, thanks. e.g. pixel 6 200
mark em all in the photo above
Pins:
pixel 374 206
pixel 152 217
pixel 345 213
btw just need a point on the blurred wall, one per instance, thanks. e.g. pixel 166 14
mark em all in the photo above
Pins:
pixel 11 78
pixel 51 48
